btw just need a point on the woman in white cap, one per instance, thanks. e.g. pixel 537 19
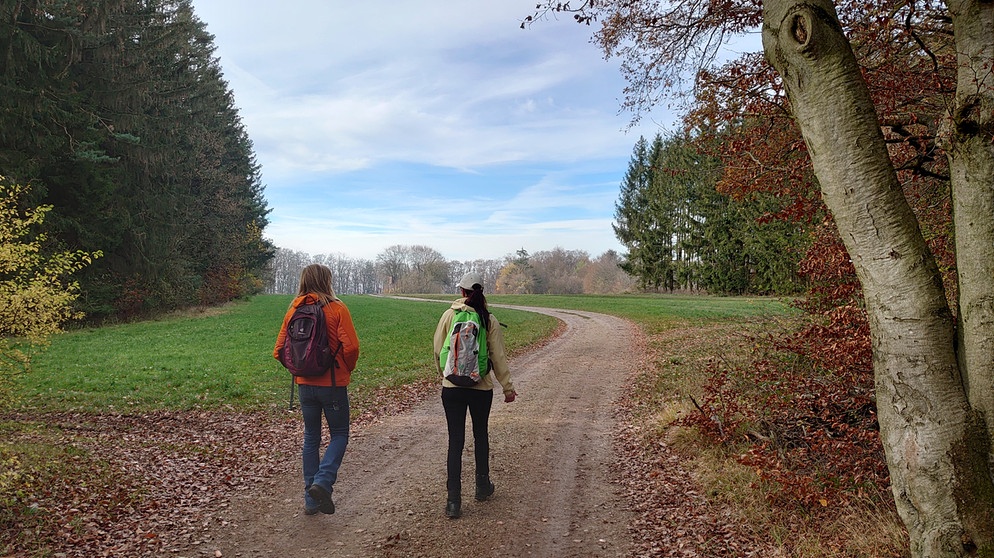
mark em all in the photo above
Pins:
pixel 465 361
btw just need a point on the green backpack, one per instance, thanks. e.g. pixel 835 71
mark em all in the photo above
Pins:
pixel 463 359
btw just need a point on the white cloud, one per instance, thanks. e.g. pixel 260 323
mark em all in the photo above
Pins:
pixel 380 123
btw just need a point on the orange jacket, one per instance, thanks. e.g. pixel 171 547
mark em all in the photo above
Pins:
pixel 340 328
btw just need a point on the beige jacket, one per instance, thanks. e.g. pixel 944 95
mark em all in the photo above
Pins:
pixel 495 349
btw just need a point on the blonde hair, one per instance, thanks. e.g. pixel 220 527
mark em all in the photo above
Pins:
pixel 316 279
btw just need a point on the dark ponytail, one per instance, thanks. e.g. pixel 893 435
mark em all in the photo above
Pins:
pixel 478 302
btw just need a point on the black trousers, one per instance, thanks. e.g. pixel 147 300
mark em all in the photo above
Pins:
pixel 456 401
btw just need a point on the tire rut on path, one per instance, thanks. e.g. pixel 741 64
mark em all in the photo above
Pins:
pixel 552 459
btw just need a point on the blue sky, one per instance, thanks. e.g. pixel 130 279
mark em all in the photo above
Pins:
pixel 427 122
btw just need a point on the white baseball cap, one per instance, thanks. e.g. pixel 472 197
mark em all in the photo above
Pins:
pixel 469 280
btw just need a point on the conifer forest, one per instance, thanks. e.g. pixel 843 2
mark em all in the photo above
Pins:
pixel 116 114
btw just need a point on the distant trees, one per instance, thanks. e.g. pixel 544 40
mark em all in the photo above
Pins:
pixel 413 269
pixel 283 274
pixel 117 114
pixel 349 275
pixel 561 271
pixel 398 269
pixel 420 269
pixel 604 274
pixel 682 234
pixel 489 269
pixel 517 277
pixel 352 275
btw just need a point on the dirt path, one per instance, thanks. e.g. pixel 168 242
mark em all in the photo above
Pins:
pixel 552 456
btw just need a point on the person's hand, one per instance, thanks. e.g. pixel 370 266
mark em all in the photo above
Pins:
pixel 509 396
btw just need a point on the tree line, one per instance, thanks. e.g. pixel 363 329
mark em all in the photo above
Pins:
pixel 683 234
pixel 117 116
pixel 421 269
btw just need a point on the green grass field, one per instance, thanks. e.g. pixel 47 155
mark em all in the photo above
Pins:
pixel 656 311
pixel 223 358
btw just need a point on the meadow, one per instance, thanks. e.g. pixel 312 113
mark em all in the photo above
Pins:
pixel 223 357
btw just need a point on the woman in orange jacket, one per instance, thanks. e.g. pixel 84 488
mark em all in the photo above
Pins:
pixel 326 394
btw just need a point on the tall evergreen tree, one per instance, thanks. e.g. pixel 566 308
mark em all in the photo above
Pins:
pixel 683 234
pixel 121 119
pixel 680 175
pixel 635 223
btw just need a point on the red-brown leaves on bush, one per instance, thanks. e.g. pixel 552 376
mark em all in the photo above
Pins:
pixel 720 415
pixel 807 412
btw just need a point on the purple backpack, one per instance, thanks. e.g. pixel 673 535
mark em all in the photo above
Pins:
pixel 306 351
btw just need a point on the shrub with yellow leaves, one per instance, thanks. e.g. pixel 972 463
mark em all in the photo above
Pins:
pixel 36 292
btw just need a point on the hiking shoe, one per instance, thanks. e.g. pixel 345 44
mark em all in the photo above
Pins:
pixel 484 490
pixel 452 510
pixel 322 497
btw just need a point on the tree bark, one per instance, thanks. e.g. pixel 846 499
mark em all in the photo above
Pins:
pixel 934 443
pixel 970 148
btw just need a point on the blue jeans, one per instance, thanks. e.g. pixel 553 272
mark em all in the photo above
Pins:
pixel 333 403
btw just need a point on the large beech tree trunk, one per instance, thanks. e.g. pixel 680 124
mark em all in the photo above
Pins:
pixel 936 443
pixel 970 147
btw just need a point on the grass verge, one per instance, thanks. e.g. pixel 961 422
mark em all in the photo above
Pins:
pixel 680 360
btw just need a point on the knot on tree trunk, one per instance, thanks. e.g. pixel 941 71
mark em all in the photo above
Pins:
pixel 970 119
pixel 800 29
pixel 806 25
